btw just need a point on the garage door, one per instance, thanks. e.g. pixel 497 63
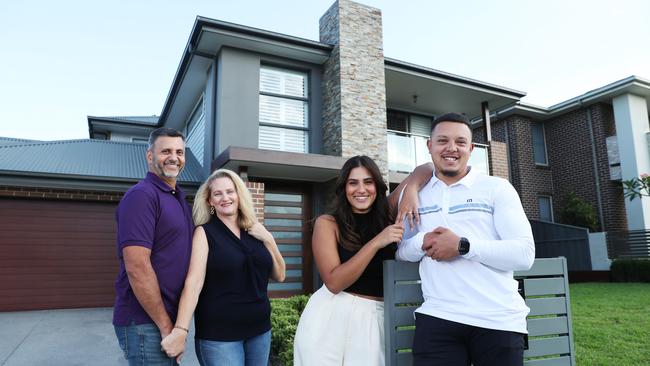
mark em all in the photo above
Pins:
pixel 56 254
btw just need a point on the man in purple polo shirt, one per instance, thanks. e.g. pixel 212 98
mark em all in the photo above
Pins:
pixel 154 243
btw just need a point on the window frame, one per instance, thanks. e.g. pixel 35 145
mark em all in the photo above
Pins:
pixel 408 115
pixel 550 204
pixel 543 129
pixel 188 120
pixel 306 99
pixel 200 103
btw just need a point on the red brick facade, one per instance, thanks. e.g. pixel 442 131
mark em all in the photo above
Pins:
pixel 570 152
pixel 257 191
pixel 498 157
pixel 60 194
pixel 570 162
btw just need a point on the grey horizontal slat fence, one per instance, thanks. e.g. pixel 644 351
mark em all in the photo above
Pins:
pixel 628 244
pixel 546 290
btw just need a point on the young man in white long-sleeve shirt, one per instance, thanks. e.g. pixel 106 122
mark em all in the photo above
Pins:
pixel 473 233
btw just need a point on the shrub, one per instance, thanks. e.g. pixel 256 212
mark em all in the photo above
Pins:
pixel 285 314
pixel 630 270
pixel 578 212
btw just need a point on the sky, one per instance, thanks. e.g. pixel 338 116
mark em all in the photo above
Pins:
pixel 61 61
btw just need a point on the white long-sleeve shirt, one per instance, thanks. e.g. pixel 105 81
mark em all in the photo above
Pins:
pixel 478 288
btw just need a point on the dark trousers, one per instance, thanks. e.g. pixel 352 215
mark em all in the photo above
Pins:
pixel 440 342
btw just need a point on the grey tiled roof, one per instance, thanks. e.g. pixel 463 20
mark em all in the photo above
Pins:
pixel 86 158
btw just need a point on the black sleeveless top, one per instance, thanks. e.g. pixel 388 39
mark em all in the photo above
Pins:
pixel 370 283
pixel 233 304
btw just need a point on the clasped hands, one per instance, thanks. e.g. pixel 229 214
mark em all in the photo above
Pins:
pixel 441 244
pixel 174 344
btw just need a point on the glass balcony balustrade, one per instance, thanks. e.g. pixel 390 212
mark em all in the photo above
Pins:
pixel 406 151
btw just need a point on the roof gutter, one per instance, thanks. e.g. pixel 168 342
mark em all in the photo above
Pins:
pixel 609 90
pixel 397 64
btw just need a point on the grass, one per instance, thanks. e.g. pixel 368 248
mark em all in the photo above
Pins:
pixel 611 323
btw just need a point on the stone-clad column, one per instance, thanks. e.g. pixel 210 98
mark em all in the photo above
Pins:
pixel 354 88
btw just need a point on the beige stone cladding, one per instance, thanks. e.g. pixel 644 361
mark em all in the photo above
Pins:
pixel 354 91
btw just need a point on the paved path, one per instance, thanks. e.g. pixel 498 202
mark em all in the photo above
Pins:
pixel 71 337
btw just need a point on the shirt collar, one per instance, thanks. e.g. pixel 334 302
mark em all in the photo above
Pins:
pixel 161 184
pixel 467 181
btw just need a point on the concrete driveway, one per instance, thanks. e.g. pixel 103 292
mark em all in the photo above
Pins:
pixel 65 337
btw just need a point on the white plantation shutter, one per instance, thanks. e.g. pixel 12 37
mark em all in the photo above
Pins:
pixel 283 139
pixel 283 110
pixel 284 82
pixel 421 125
pixel 195 132
pixel 288 112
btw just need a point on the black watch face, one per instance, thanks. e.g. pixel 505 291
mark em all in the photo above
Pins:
pixel 463 246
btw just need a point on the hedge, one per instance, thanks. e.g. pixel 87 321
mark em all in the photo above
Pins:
pixel 285 314
pixel 630 270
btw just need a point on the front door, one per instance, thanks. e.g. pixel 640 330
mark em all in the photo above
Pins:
pixel 287 215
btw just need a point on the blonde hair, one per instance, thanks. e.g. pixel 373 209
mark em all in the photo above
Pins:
pixel 245 213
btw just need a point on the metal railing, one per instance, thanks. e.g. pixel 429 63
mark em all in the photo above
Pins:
pixel 628 244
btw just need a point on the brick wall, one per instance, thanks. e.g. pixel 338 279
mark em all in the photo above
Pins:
pixel 257 191
pixel 529 179
pixel 511 157
pixel 571 163
pixel 612 199
pixel 498 157
pixel 60 194
pixel 570 156
pixel 498 151
pixel 569 147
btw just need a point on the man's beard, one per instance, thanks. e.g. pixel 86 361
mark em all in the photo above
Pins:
pixel 450 173
pixel 453 173
pixel 161 169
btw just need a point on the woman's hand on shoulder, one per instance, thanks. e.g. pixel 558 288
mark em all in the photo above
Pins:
pixel 408 206
pixel 391 234
pixel 259 232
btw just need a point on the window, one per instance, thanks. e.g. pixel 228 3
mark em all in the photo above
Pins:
pixel 407 140
pixel 545 208
pixel 195 132
pixel 539 144
pixel 283 110
pixel 406 122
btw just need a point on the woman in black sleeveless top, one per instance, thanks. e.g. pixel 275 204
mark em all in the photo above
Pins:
pixel 233 257
pixel 342 323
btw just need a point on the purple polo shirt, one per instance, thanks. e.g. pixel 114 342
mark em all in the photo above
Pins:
pixel 153 215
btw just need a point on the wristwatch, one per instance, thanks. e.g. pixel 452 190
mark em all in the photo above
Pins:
pixel 463 246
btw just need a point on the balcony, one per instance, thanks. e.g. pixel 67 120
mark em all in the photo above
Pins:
pixel 407 150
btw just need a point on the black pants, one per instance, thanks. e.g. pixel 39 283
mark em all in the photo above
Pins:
pixel 440 342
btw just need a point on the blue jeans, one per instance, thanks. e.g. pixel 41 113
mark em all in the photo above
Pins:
pixel 249 352
pixel 141 345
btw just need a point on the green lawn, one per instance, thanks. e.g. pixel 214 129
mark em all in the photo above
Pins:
pixel 611 323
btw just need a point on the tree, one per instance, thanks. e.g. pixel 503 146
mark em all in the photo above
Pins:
pixel 578 212
pixel 637 187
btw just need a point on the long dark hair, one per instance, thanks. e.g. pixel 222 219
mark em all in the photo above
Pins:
pixel 380 213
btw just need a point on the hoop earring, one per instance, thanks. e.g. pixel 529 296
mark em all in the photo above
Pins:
pixel 211 210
